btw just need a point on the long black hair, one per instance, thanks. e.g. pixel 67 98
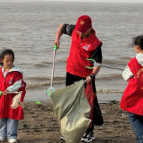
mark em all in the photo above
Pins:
pixel 6 52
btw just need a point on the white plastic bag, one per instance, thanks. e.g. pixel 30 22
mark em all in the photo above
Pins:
pixel 16 101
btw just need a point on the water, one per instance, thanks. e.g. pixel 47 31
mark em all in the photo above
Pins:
pixel 29 29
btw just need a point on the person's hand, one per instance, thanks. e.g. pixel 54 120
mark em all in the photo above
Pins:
pixel 21 104
pixel 57 43
pixel 5 92
pixel 88 79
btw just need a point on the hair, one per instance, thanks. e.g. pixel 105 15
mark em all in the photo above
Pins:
pixel 6 52
pixel 138 41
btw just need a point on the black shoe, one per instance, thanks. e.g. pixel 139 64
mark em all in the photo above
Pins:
pixel 88 137
pixel 62 138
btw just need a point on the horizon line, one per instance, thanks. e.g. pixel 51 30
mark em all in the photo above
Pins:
pixel 65 1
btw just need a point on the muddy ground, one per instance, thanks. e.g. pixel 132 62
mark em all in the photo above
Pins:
pixel 40 125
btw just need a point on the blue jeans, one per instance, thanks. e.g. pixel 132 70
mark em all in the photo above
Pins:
pixel 8 128
pixel 136 122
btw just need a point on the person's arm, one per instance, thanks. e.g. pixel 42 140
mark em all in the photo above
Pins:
pixel 63 29
pixel 68 29
pixel 97 56
pixel 58 35
pixel 18 85
pixel 127 74
pixel 15 87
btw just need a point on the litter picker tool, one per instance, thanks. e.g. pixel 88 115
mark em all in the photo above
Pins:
pixel 95 64
pixel 0 93
pixel 16 92
pixel 51 88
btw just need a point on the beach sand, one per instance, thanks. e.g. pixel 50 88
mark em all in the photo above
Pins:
pixel 40 125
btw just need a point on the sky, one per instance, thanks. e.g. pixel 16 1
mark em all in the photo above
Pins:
pixel 115 1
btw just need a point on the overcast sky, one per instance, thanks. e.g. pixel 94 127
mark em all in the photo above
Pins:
pixel 117 1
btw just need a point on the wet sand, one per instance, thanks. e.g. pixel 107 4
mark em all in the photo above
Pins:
pixel 40 125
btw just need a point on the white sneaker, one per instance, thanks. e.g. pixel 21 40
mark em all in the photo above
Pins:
pixel 62 138
pixel 12 141
pixel 1 139
pixel 88 137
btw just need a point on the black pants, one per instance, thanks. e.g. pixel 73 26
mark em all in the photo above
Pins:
pixel 70 79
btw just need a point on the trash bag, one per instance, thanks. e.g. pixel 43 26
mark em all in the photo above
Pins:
pixel 72 111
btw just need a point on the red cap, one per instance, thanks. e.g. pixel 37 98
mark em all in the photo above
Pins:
pixel 83 23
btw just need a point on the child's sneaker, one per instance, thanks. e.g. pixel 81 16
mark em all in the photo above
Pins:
pixel 12 141
pixel 62 138
pixel 88 137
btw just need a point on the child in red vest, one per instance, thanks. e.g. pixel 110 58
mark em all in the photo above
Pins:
pixel 11 80
pixel 84 44
pixel 132 99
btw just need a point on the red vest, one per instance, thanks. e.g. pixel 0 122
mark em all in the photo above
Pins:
pixel 6 100
pixel 132 99
pixel 79 51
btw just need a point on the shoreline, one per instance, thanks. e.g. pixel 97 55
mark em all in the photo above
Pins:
pixel 40 125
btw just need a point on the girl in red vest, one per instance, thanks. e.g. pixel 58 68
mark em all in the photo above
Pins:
pixel 132 99
pixel 11 80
